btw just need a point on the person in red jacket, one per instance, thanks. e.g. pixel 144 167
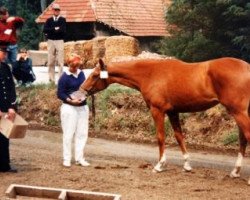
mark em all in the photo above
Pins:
pixel 8 35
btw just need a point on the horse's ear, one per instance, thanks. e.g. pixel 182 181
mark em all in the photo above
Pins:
pixel 102 65
pixel 104 72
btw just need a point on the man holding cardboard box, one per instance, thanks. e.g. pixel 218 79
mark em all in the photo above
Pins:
pixel 7 105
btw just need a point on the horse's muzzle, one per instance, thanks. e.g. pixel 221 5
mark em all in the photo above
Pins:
pixel 85 93
pixel 81 94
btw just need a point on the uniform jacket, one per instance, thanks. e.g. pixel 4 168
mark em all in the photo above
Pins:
pixel 7 88
pixel 50 31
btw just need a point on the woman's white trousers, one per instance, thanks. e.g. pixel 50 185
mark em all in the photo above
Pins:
pixel 75 124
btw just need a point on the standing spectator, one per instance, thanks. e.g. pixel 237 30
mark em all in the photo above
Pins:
pixel 74 113
pixel 7 105
pixel 22 69
pixel 8 35
pixel 55 29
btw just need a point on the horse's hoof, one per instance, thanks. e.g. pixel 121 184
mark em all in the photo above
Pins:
pixel 187 167
pixel 155 170
pixel 158 171
pixel 234 174
pixel 158 168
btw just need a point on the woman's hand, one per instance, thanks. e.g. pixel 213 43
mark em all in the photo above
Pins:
pixel 76 101
pixel 11 114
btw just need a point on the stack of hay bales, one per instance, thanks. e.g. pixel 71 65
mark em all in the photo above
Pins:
pixel 142 56
pixel 150 55
pixel 121 46
pixel 98 49
pixel 68 49
pixel 89 50
pixel 78 47
pixel 107 48
pixel 43 46
pixel 87 54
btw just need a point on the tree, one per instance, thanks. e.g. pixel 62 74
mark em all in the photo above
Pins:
pixel 43 4
pixel 202 30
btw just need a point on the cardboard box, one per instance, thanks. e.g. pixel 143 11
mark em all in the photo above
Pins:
pixel 16 191
pixel 16 129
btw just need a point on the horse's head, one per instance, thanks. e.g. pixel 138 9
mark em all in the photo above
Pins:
pixel 97 80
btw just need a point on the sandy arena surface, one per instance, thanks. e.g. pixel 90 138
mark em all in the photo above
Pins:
pixel 38 159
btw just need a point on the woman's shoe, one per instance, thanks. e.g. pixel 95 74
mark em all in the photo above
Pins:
pixel 83 163
pixel 66 163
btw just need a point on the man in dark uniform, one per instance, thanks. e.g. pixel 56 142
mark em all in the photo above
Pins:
pixel 7 105
pixel 55 30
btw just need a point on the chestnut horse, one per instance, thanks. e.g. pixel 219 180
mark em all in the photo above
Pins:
pixel 171 86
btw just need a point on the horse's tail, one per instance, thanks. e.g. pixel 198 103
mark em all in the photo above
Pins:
pixel 248 89
pixel 247 83
pixel 249 109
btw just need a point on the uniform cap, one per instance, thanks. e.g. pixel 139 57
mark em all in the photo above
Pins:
pixel 56 6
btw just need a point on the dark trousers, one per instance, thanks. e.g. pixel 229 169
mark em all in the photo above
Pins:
pixel 4 153
pixel 24 75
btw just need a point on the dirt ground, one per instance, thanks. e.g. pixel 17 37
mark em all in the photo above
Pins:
pixel 38 159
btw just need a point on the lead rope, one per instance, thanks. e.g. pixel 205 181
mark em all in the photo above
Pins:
pixel 93 106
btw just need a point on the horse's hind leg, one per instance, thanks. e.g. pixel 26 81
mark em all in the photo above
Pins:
pixel 243 121
pixel 243 144
pixel 175 122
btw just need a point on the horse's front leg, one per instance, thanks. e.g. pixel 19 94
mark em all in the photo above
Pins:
pixel 158 117
pixel 175 123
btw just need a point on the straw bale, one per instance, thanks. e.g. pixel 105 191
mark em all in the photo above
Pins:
pixel 98 49
pixel 78 47
pixel 143 55
pixel 39 58
pixel 43 46
pixel 89 50
pixel 68 49
pixel 87 54
pixel 82 47
pixel 150 55
pixel 121 46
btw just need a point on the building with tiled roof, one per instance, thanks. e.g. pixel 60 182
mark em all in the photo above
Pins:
pixel 89 18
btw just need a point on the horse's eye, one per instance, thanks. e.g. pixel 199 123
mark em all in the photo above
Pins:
pixel 95 76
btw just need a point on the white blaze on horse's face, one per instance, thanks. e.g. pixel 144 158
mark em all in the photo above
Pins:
pixel 104 74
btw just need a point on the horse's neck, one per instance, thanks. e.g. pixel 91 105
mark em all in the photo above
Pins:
pixel 125 75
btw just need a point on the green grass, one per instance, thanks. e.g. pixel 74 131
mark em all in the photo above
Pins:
pixel 231 138
pixel 51 120
pixel 105 95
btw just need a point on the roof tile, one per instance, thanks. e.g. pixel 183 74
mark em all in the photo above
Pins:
pixel 133 17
